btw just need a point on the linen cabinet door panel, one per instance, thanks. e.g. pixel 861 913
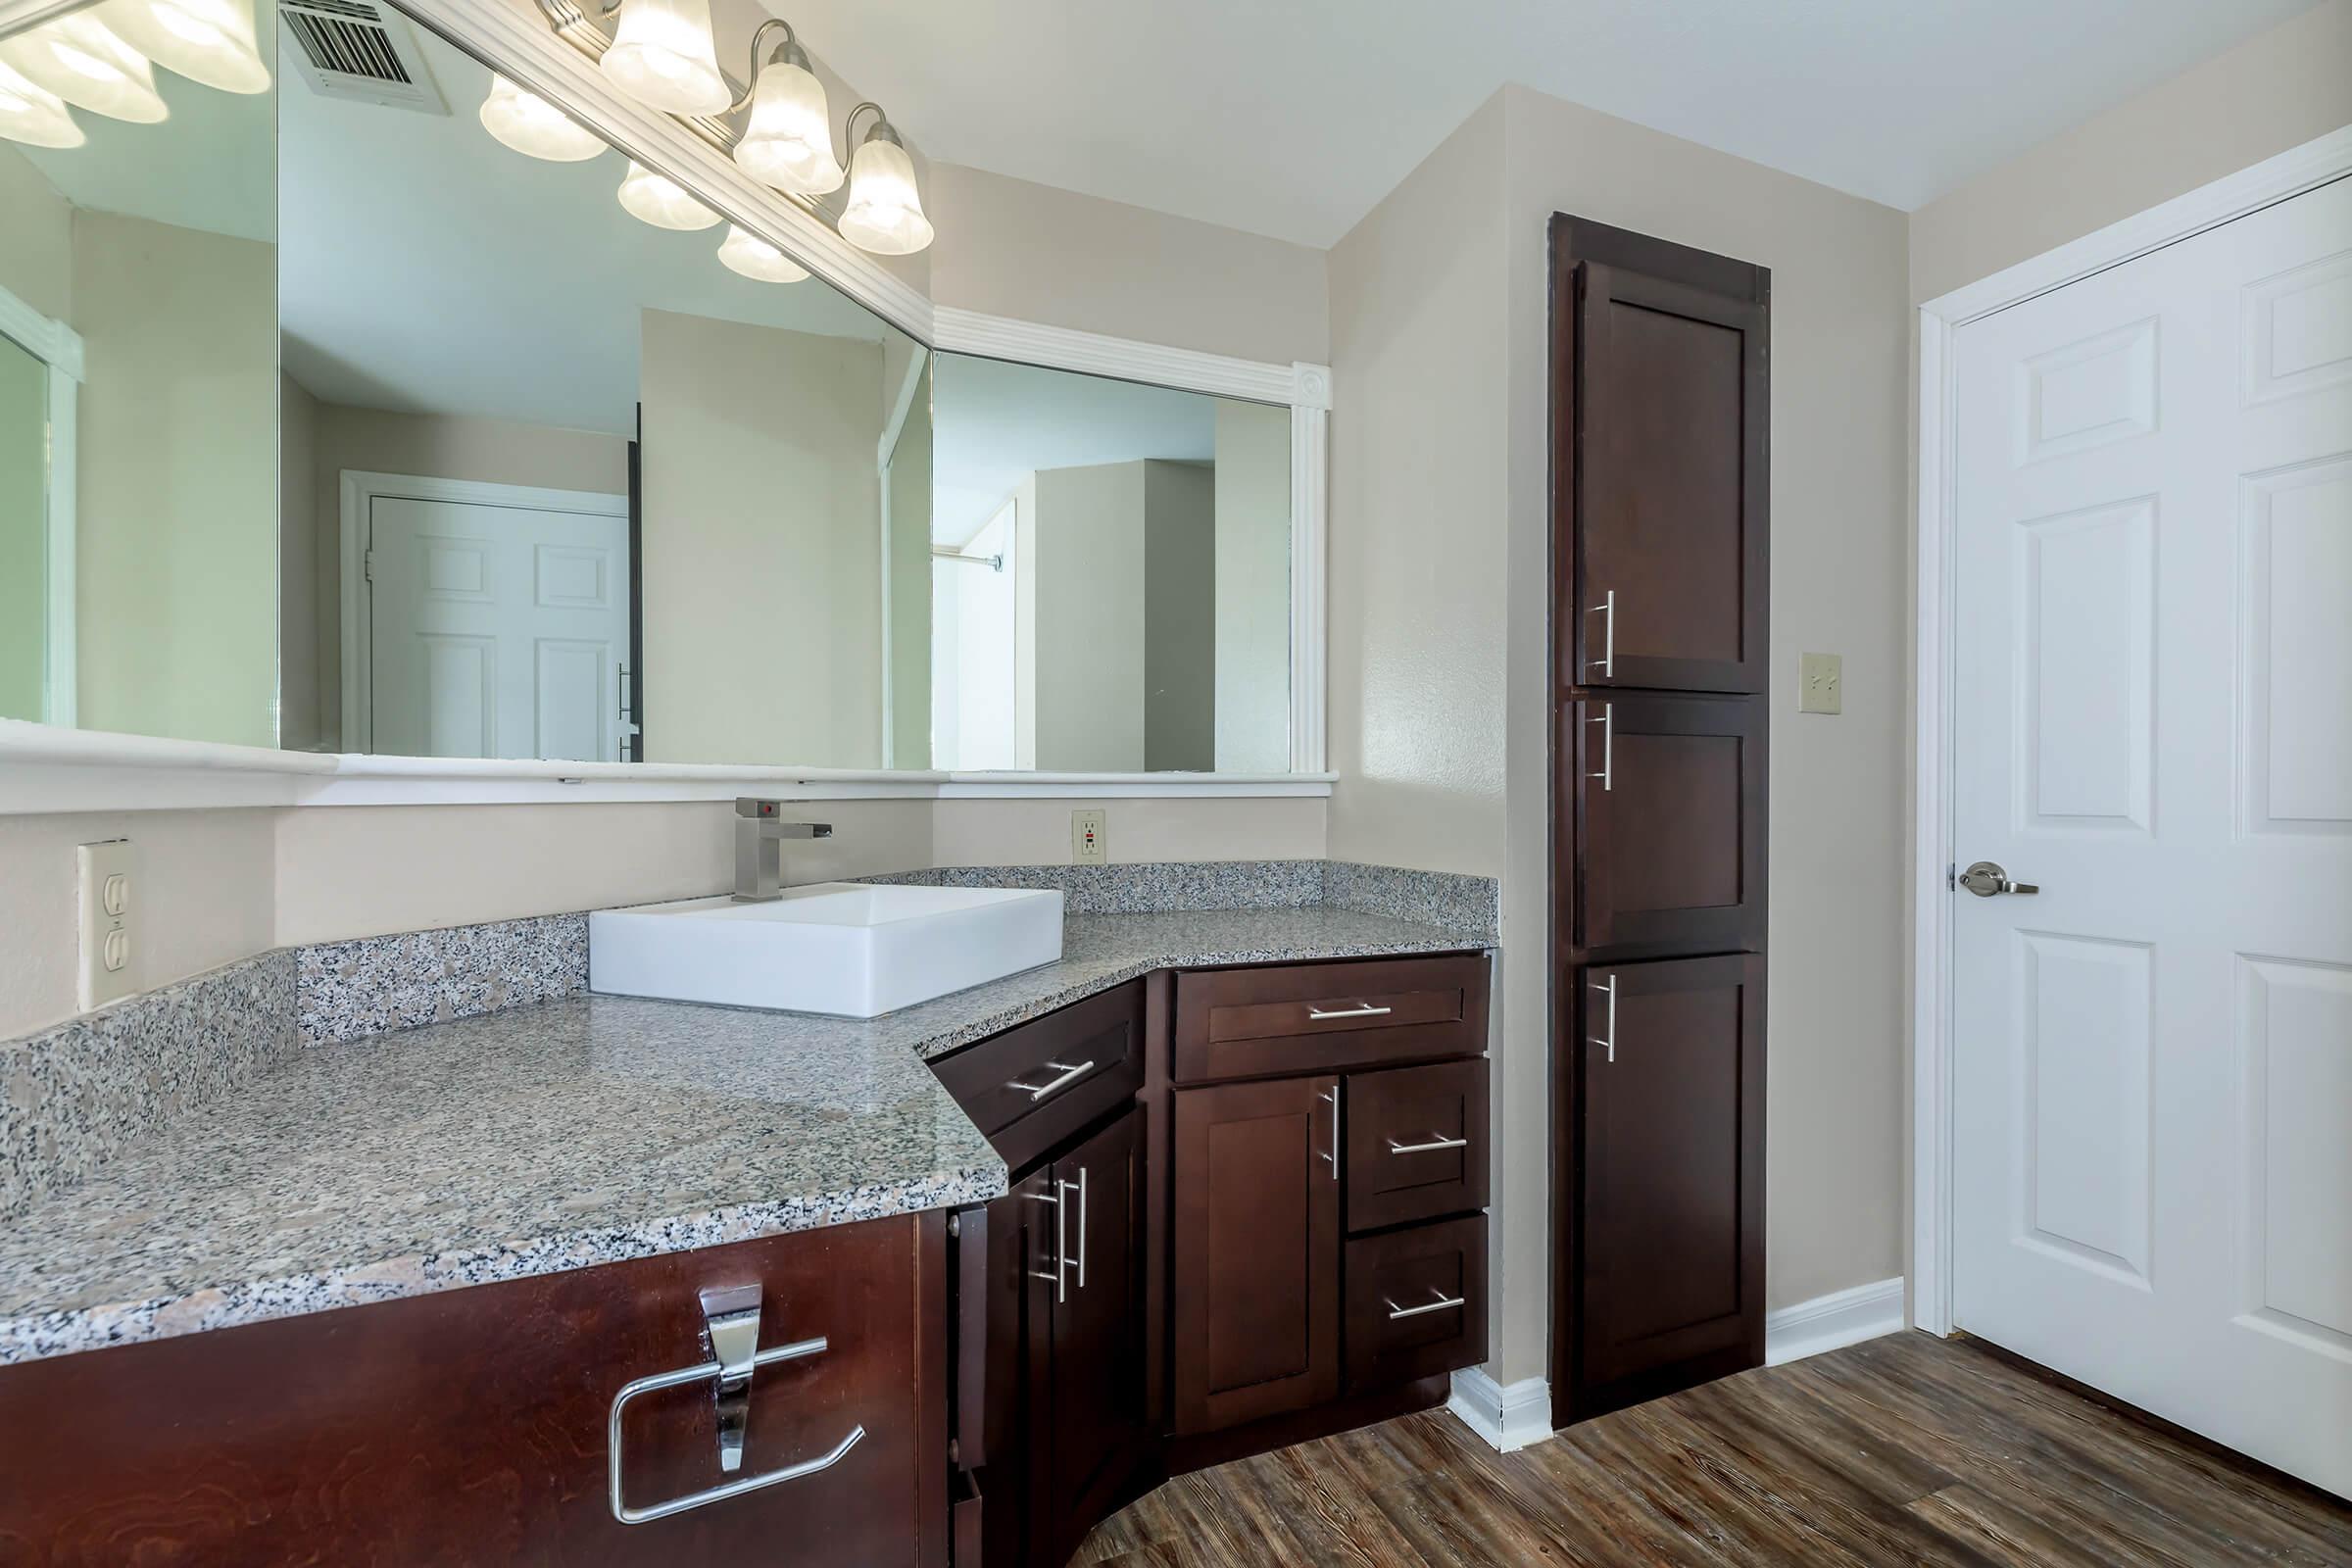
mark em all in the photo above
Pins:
pixel 1255 1316
pixel 1667 795
pixel 1670 1215
pixel 1668 504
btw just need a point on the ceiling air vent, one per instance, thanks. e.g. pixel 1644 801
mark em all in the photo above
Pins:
pixel 351 49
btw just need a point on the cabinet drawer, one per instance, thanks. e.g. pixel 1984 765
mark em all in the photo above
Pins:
pixel 1314 1017
pixel 1416 1303
pixel 1416 1144
pixel 1030 1088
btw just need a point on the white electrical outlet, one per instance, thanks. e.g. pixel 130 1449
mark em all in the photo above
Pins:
pixel 108 874
pixel 1086 843
pixel 1820 683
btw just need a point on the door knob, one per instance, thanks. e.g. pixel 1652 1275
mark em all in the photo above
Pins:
pixel 1986 878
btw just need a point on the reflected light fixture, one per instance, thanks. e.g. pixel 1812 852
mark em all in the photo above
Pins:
pixel 661 201
pixel 755 258
pixel 788 141
pixel 663 54
pixel 209 41
pixel 34 114
pixel 80 59
pixel 885 214
pixel 535 128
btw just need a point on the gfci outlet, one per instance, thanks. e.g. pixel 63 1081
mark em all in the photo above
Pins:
pixel 1086 845
pixel 108 875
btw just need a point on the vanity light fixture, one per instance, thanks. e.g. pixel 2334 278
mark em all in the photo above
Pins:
pixel 208 41
pixel 34 114
pixel 885 214
pixel 531 125
pixel 788 141
pixel 755 258
pixel 81 60
pixel 661 201
pixel 664 54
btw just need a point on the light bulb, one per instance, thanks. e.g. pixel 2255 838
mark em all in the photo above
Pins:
pixel 885 214
pixel 210 41
pixel 788 141
pixel 755 258
pixel 34 114
pixel 81 60
pixel 530 124
pixel 662 55
pixel 662 200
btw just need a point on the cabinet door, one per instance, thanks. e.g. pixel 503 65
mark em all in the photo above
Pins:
pixel 1093 1415
pixel 1667 794
pixel 1667 517
pixel 1257 1271
pixel 1670 1210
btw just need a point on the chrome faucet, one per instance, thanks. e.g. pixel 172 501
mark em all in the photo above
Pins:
pixel 759 858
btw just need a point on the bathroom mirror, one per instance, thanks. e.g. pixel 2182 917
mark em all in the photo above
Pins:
pixel 570 467
pixel 1110 574
pixel 139 354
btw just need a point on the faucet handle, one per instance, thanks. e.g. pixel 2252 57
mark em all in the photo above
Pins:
pixel 752 806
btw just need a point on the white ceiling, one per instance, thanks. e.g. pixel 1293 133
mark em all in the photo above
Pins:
pixel 424 267
pixel 995 423
pixel 1292 119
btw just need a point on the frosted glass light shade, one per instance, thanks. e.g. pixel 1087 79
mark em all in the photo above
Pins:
pixel 662 200
pixel 80 59
pixel 530 124
pixel 662 55
pixel 755 258
pixel 788 143
pixel 210 41
pixel 34 114
pixel 885 214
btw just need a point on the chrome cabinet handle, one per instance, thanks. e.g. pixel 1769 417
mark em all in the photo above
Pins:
pixel 733 1488
pixel 1059 1278
pixel 1362 1009
pixel 1070 1076
pixel 1333 1155
pixel 1608 747
pixel 1436 1142
pixel 1609 988
pixel 1607 611
pixel 1065 1193
pixel 1442 1303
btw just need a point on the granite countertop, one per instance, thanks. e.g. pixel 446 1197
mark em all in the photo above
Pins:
pixel 565 1134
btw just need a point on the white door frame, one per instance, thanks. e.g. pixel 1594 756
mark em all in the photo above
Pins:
pixel 59 347
pixel 2275 180
pixel 359 490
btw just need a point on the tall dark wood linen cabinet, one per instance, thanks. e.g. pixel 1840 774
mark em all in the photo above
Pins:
pixel 1660 418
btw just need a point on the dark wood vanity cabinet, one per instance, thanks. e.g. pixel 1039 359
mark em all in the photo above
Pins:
pixel 1661 446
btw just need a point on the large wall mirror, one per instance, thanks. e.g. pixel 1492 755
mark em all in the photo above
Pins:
pixel 331 420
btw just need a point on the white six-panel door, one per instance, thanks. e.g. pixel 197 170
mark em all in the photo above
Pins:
pixel 2153 726
pixel 497 631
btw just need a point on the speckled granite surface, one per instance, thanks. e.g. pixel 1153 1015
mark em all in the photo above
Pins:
pixel 75 1096
pixel 579 1131
pixel 1442 898
pixel 1145 887
pixel 365 986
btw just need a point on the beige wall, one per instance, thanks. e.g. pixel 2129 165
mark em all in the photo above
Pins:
pixel 36 243
pixel 909 654
pixel 1082 546
pixel 1007 247
pixel 1133 831
pixel 302 715
pixel 1254 588
pixel 2275 91
pixel 1180 617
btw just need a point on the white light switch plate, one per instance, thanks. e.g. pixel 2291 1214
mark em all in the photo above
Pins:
pixel 1821 683
pixel 108 884
pixel 1086 843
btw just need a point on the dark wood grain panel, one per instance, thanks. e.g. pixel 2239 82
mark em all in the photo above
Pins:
pixel 1393 1279
pixel 1409 1107
pixel 997 1079
pixel 1094 1433
pixel 1257 1022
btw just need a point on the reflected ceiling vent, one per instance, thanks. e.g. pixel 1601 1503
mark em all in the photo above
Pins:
pixel 351 49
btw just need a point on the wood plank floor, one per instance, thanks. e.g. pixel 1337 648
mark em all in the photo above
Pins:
pixel 1905 1450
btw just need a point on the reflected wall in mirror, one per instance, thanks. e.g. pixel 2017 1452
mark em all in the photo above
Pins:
pixel 1110 575
pixel 571 469
pixel 139 371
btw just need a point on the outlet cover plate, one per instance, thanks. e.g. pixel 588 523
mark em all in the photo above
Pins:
pixel 1087 843
pixel 1821 683
pixel 108 876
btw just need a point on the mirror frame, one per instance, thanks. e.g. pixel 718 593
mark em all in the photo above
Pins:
pixel 47 767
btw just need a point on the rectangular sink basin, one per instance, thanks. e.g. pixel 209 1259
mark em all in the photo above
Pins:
pixel 847 948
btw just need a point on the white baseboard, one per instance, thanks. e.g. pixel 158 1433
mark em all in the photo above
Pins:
pixel 1827 1322
pixel 1507 1418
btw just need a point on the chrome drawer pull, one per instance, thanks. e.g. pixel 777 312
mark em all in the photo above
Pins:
pixel 1362 1009
pixel 1334 1157
pixel 1436 1142
pixel 710 1370
pixel 1442 1303
pixel 1070 1076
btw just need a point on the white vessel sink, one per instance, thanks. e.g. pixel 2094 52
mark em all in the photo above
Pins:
pixel 847 947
